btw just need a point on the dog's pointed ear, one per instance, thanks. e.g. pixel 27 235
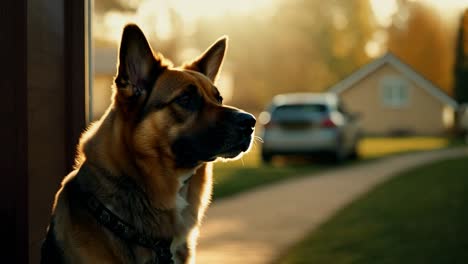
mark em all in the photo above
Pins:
pixel 136 63
pixel 210 62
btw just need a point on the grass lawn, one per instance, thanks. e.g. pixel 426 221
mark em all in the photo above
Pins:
pixel 374 147
pixel 236 176
pixel 247 173
pixel 229 181
pixel 420 216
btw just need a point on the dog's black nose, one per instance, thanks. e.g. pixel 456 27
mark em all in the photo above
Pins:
pixel 245 120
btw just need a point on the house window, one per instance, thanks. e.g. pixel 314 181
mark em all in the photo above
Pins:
pixel 394 91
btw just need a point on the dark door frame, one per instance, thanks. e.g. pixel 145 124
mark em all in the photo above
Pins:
pixel 75 76
pixel 15 138
pixel 13 132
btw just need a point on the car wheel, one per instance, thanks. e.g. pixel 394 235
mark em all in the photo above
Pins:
pixel 339 156
pixel 354 155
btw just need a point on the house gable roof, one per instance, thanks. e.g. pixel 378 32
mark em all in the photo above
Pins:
pixel 405 69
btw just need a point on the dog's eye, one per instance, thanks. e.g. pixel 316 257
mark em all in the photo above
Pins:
pixel 189 99
pixel 220 99
pixel 184 99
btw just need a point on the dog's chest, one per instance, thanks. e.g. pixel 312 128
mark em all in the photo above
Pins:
pixel 180 205
pixel 181 199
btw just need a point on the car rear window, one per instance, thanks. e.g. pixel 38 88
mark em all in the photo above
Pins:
pixel 297 110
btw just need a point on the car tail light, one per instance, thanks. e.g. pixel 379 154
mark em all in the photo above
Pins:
pixel 328 123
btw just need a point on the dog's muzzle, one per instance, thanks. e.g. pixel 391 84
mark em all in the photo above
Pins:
pixel 226 137
pixel 244 124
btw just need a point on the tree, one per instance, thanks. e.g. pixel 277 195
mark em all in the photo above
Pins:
pixel 461 61
pixel 420 38
pixel 304 46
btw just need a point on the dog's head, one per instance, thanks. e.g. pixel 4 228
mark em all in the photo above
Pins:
pixel 176 113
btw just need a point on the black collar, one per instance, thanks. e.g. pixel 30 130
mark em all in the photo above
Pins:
pixel 119 227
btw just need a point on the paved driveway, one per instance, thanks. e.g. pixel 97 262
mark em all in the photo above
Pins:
pixel 256 226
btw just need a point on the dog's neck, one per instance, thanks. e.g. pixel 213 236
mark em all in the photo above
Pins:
pixel 181 200
pixel 154 172
pixel 145 190
pixel 125 198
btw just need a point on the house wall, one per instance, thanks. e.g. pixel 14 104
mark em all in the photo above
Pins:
pixel 422 115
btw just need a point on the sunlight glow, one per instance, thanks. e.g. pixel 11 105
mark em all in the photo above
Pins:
pixel 447 5
pixel 154 16
pixel 373 49
pixel 340 21
pixel 191 10
pixel 384 10
pixel 377 45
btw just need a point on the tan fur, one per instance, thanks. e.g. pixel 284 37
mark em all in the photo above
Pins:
pixel 122 144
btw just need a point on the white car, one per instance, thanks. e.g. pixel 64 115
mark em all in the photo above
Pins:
pixel 309 123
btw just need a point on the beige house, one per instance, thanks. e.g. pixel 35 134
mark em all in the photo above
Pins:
pixel 392 98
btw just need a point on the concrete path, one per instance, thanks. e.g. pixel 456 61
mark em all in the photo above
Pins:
pixel 257 226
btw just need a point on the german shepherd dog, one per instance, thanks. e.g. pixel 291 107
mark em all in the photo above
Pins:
pixel 143 180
